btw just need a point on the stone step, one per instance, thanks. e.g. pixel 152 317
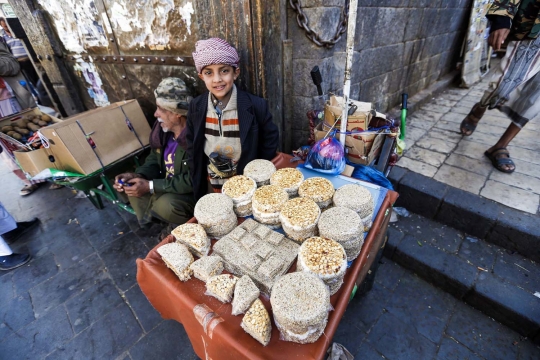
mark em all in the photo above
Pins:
pixel 480 217
pixel 502 284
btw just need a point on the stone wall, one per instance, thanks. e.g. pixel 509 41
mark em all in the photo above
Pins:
pixel 400 46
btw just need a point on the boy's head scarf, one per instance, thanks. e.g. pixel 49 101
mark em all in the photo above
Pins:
pixel 214 51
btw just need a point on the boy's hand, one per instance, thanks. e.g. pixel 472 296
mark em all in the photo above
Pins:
pixel 137 187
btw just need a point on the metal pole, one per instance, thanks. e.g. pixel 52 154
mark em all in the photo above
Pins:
pixel 351 28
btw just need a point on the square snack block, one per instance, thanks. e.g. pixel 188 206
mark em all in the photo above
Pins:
pixel 249 225
pixel 206 267
pixel 237 233
pixel 271 267
pixel 248 241
pixel 274 238
pixel 263 249
pixel 261 232
pixel 287 250
pixel 264 285
pixel 247 261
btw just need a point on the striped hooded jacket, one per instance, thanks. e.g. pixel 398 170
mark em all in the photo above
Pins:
pixel 522 17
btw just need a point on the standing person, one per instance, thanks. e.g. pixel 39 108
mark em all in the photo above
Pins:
pixel 229 126
pixel 161 188
pixel 515 86
pixel 11 229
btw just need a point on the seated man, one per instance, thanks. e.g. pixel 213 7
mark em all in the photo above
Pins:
pixel 161 188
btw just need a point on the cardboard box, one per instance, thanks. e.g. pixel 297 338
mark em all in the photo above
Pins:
pixel 357 121
pixel 33 162
pixel 107 129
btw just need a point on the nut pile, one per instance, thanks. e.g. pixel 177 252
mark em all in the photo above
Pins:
pixel 358 199
pixel 245 293
pixel 344 226
pixel 221 287
pixel 288 179
pixel 267 203
pixel 324 258
pixel 300 304
pixel 240 189
pixel 299 218
pixel 177 258
pixel 206 267
pixel 215 214
pixel 260 171
pixel 319 190
pixel 194 237
pixel 257 323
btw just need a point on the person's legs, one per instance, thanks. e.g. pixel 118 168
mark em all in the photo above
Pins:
pixel 142 206
pixel 173 208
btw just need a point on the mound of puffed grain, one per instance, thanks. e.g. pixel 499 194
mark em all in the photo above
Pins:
pixel 267 203
pixel 260 171
pixel 216 215
pixel 344 226
pixel 206 267
pixel 299 218
pixel 240 189
pixel 300 304
pixel 358 199
pixel 288 179
pixel 245 293
pixel 319 190
pixel 177 258
pixel 324 258
pixel 194 237
pixel 257 323
pixel 221 287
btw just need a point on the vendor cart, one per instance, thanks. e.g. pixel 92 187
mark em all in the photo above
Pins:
pixel 216 334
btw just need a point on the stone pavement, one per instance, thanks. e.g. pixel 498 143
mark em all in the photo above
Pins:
pixel 436 149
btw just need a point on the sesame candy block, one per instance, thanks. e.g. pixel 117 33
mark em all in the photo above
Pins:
pixel 248 241
pixel 263 249
pixel 206 267
pixel 256 323
pixel 249 225
pixel 245 293
pixel 237 233
pixel 177 258
pixel 221 287
pixel 274 238
pixel 271 267
pixel 261 232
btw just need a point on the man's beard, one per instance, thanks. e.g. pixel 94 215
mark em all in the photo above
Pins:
pixel 163 128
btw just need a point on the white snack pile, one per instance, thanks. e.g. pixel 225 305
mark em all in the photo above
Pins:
pixel 319 190
pixel 299 218
pixel 240 189
pixel 194 237
pixel 358 199
pixel 215 214
pixel 288 179
pixel 257 323
pixel 221 287
pixel 245 293
pixel 177 258
pixel 206 267
pixel 344 226
pixel 260 171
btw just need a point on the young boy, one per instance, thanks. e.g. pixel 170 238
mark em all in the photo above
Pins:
pixel 226 127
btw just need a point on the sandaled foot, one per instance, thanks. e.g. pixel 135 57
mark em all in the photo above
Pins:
pixel 28 189
pixel 55 186
pixel 468 125
pixel 500 158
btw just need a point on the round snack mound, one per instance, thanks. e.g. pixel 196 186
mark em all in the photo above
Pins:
pixel 212 208
pixel 322 256
pixel 355 197
pixel 340 224
pixel 239 188
pixel 260 171
pixel 300 212
pixel 319 189
pixel 269 198
pixel 288 179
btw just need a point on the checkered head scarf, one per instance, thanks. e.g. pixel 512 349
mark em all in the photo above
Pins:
pixel 172 94
pixel 214 51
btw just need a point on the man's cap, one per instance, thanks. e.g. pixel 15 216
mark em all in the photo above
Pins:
pixel 172 94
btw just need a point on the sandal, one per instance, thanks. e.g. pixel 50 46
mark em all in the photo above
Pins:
pixel 468 125
pixel 28 189
pixel 55 186
pixel 498 159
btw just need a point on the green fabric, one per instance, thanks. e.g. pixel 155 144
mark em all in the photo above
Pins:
pixel 525 16
pixel 172 208
pixel 154 169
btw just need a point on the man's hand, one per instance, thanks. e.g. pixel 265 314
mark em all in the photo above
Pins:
pixel 497 38
pixel 125 178
pixel 137 187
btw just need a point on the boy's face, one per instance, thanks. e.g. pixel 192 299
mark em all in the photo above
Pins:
pixel 219 79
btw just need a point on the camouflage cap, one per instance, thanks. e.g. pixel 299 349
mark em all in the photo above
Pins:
pixel 172 94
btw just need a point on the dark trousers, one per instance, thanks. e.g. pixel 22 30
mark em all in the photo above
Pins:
pixel 171 208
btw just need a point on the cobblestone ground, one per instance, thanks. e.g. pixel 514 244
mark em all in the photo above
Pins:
pixel 436 148
pixel 78 298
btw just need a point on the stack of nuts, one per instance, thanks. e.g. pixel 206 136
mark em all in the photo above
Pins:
pixel 324 258
pixel 23 128
pixel 267 203
pixel 256 323
pixel 240 189
pixel 221 287
pixel 299 218
pixel 319 190
pixel 288 179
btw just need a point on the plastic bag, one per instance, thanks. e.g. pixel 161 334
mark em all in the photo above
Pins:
pixel 326 156
pixel 371 175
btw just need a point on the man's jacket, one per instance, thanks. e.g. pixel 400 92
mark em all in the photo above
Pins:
pixel 522 17
pixel 154 168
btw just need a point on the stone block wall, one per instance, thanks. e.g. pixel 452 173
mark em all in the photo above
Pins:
pixel 400 46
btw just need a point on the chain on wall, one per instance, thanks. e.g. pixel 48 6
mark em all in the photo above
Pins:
pixel 303 23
